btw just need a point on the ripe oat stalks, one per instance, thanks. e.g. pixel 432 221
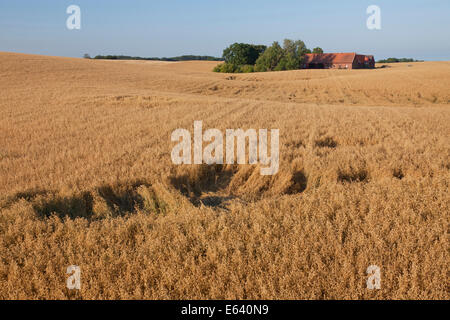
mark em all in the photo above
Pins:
pixel 87 180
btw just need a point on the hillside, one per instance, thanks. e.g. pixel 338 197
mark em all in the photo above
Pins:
pixel 86 179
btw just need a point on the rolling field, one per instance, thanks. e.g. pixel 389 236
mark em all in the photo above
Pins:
pixel 86 179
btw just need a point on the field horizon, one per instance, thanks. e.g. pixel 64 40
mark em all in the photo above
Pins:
pixel 86 179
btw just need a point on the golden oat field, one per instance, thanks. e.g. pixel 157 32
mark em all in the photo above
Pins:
pixel 86 179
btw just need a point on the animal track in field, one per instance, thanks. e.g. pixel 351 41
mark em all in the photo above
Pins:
pixel 295 144
pixel 299 182
pixel 110 200
pixel 141 101
pixel 326 142
pixel 353 175
pixel 205 185
pixel 27 195
pixel 72 207
pixel 218 185
pixel 215 186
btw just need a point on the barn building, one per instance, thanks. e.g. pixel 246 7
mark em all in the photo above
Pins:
pixel 338 61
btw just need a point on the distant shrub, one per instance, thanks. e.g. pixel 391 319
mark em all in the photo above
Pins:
pixel 226 68
pixel 248 68
pixel 231 68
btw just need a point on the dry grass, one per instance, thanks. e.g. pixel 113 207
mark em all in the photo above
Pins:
pixel 86 179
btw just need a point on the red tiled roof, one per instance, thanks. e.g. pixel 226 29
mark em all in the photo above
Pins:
pixel 330 58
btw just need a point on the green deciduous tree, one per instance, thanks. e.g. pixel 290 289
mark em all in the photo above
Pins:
pixel 277 58
pixel 317 50
pixel 241 54
pixel 294 52
pixel 270 58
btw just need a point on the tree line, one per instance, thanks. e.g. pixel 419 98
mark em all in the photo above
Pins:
pixel 245 58
pixel 179 58
pixel 396 60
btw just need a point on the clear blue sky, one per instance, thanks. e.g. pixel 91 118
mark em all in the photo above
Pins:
pixel 410 28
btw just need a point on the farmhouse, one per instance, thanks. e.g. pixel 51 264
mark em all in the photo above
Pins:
pixel 338 61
